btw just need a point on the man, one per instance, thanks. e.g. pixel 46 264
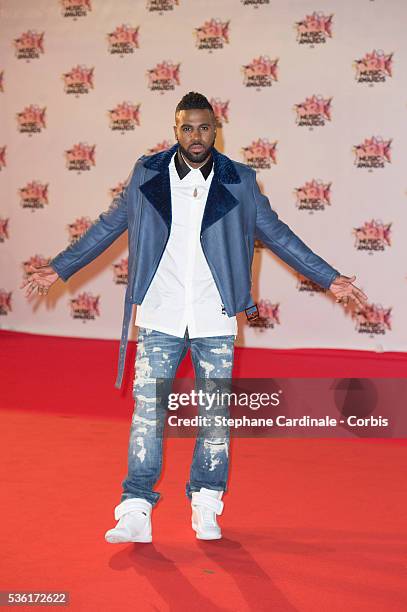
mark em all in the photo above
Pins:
pixel 192 215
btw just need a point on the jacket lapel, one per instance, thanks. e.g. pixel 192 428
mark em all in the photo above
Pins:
pixel 219 202
pixel 157 190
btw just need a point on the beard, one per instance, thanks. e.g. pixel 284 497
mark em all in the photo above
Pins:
pixel 196 158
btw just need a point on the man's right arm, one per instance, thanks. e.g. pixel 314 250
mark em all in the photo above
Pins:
pixel 100 235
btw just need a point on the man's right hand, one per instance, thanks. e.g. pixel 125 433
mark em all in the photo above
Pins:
pixel 39 280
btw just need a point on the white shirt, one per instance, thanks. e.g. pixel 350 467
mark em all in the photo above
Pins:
pixel 183 292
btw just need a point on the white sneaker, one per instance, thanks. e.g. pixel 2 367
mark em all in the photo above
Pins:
pixel 206 504
pixel 134 516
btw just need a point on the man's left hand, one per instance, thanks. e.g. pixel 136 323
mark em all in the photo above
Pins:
pixel 344 290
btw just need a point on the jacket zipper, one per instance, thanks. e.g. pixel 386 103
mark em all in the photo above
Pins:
pixel 138 232
pixel 215 277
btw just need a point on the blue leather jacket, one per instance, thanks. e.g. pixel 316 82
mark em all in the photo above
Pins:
pixel 235 214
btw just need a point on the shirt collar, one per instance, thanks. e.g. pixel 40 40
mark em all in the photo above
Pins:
pixel 183 169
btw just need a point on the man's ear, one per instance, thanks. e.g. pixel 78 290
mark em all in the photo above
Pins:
pixel 175 132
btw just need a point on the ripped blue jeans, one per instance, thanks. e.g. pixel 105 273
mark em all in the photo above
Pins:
pixel 158 356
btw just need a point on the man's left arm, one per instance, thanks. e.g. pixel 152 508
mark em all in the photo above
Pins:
pixel 280 239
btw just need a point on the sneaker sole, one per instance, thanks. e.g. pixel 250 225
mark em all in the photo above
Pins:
pixel 198 537
pixel 112 539
pixel 114 536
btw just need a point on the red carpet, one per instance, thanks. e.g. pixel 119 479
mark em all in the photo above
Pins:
pixel 308 524
pixel 77 376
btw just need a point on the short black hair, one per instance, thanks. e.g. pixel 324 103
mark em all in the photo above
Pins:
pixel 193 100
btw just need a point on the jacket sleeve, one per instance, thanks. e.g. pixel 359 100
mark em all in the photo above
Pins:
pixel 280 239
pixel 100 235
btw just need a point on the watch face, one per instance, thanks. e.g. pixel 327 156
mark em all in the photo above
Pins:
pixel 252 312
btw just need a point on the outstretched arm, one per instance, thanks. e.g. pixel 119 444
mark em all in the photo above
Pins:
pixel 100 235
pixel 280 239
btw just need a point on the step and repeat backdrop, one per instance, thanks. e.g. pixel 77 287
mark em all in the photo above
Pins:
pixel 310 94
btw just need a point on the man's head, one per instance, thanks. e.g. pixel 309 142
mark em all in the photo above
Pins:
pixel 195 127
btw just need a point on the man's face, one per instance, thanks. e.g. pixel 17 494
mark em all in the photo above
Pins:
pixel 195 131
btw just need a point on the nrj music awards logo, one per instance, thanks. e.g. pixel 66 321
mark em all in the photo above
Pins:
pixel 29 45
pixel 261 154
pixel 76 8
pixel 269 316
pixel 81 157
pixel 372 236
pixel 221 111
pixel 375 67
pixel 373 319
pixel 85 306
pixel 78 81
pixel 123 40
pixel 34 195
pixel 212 34
pixel 313 195
pixel 78 228
pixel 160 146
pixel 31 120
pixel 5 302
pixel 314 29
pixel 313 112
pixel 163 77
pixel 306 285
pixel 121 271
pixel 125 117
pixel 4 235
pixel 373 153
pixel 261 72
pixel 160 6
pixel 3 157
